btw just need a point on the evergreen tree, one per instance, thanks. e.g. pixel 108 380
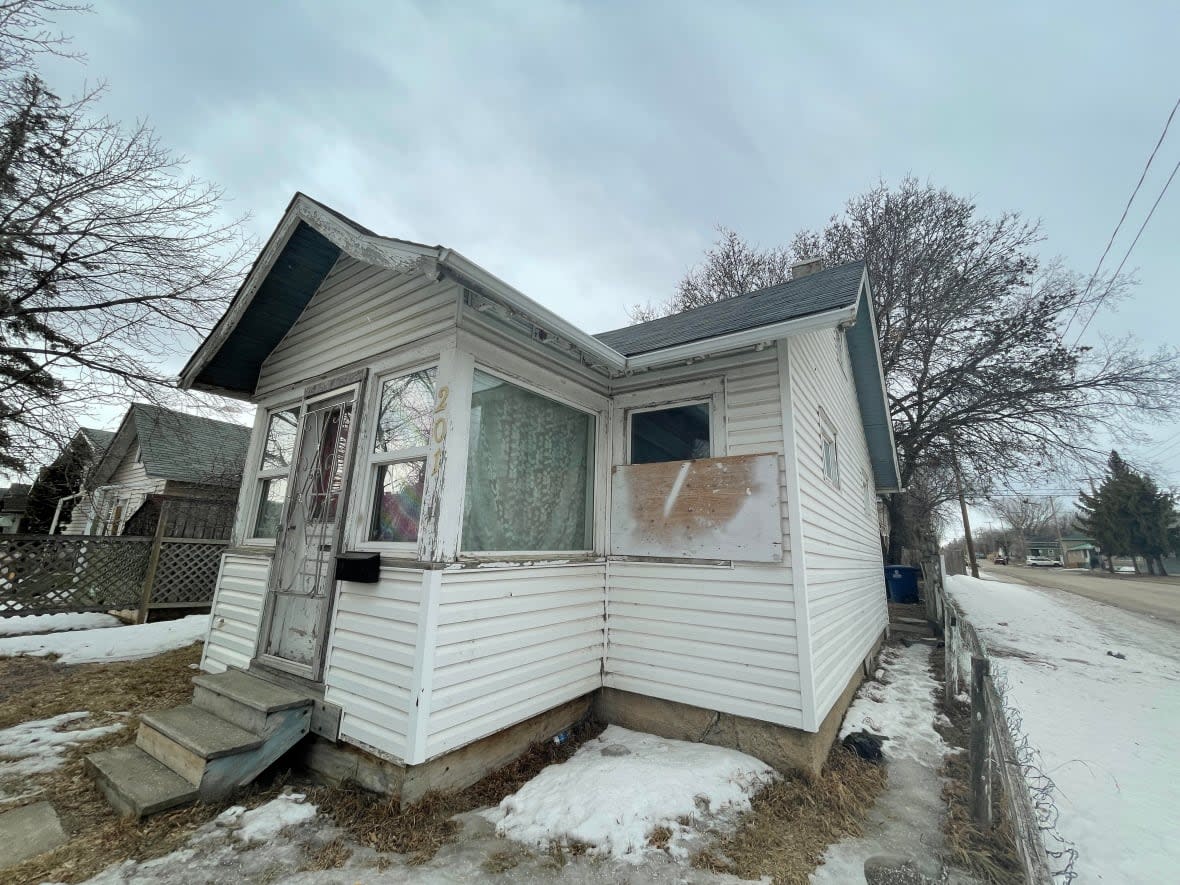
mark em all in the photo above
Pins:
pixel 1128 515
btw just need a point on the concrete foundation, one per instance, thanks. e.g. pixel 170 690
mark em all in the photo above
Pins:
pixel 336 763
pixel 784 748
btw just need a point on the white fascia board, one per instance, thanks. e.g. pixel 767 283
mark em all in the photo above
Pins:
pixel 744 338
pixel 544 317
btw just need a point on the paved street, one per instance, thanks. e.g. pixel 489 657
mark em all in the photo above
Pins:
pixel 1155 597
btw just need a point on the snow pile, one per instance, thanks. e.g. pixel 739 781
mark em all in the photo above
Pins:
pixel 1104 726
pixel 57 623
pixel 266 821
pixel 39 746
pixel 110 643
pixel 623 784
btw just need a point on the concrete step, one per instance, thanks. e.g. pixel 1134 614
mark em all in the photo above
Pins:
pixel 135 783
pixel 187 738
pixel 244 700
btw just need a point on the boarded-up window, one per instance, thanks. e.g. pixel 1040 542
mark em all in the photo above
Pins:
pixel 529 472
pixel 678 433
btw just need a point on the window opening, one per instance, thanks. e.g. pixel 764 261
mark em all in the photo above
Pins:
pixel 679 433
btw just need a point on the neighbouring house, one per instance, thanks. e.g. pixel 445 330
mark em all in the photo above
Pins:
pixel 13 501
pixel 158 452
pixel 464 522
pixel 1072 551
pixel 60 485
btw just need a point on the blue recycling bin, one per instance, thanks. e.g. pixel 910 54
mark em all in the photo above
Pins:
pixel 901 583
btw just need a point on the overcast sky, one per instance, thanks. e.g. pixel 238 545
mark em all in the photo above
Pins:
pixel 584 152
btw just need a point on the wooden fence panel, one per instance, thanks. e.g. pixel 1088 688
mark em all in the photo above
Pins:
pixel 187 573
pixel 41 574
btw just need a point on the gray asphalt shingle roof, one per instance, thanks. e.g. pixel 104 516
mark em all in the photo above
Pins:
pixel 817 292
pixel 98 439
pixel 176 445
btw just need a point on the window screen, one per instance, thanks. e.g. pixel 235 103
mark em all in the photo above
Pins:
pixel 680 433
pixel 529 471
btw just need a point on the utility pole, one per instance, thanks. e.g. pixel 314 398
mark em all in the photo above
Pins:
pixel 963 507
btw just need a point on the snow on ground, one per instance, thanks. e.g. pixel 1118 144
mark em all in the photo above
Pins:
pixel 1105 727
pixel 39 746
pixel 56 623
pixel 907 819
pixel 273 842
pixel 621 785
pixel 110 643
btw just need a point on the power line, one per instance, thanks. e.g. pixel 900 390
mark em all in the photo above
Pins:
pixel 1127 255
pixel 1122 218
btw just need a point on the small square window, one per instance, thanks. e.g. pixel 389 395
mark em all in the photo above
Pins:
pixel 280 439
pixel 397 506
pixel 406 412
pixel 680 433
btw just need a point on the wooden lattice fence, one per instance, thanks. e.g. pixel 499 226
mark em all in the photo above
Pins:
pixel 186 575
pixel 41 574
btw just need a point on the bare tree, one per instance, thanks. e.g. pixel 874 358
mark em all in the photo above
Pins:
pixel 972 331
pixel 109 253
pixel 731 267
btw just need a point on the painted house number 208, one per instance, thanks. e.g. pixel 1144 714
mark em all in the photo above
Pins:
pixel 440 425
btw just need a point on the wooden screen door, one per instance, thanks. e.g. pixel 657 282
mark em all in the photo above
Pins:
pixel 302 575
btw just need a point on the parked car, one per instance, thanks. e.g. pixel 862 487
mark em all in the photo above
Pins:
pixel 1000 559
pixel 1042 562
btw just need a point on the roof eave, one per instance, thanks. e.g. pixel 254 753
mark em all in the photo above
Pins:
pixel 464 267
pixel 742 339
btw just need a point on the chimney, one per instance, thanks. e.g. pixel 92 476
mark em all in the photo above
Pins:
pixel 800 269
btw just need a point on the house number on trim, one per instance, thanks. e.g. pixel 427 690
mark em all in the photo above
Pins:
pixel 443 394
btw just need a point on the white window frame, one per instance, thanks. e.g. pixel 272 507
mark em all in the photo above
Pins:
pixel 828 436
pixel 595 501
pixel 261 475
pixel 707 391
pixel 371 461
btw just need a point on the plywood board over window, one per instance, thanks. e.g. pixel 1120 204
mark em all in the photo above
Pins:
pixel 711 508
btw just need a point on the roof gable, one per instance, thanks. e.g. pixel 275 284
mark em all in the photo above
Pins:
pixel 177 446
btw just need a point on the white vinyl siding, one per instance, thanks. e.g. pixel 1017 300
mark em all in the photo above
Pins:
pixel 718 637
pixel 237 607
pixel 371 659
pixel 359 312
pixel 512 643
pixel 841 538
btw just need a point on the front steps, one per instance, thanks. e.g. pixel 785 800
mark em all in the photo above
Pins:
pixel 236 727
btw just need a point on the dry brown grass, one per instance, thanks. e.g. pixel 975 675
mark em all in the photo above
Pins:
pixel 36 688
pixel 793 821
pixel 419 830
pixel 989 855
pixel 502 861
pixel 331 856
pixel 659 837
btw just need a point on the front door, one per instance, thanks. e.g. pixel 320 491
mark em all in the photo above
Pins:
pixel 302 574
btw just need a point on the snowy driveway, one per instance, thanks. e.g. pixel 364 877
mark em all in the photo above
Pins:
pixel 1105 725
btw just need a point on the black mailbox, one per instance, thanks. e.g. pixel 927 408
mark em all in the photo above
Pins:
pixel 363 568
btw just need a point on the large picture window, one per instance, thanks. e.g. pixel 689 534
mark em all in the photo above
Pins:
pixel 529 472
pixel 397 462
pixel 277 451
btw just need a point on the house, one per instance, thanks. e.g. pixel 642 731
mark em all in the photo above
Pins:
pixel 1072 551
pixel 464 521
pixel 157 451
pixel 59 489
pixel 13 501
